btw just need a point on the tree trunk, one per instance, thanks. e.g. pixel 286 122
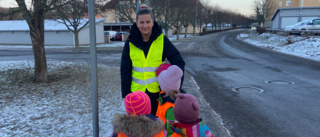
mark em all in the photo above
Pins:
pixel 178 33
pixel 76 38
pixel 166 32
pixel 37 38
pixel 185 32
pixel 194 30
pixel 36 25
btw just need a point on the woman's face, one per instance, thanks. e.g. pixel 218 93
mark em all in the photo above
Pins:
pixel 145 24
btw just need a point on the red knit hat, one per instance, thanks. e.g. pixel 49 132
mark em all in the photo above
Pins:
pixel 137 103
pixel 170 80
pixel 186 109
pixel 162 67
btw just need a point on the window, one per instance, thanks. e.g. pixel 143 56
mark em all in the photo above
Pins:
pixel 316 22
pixel 288 3
pixel 280 3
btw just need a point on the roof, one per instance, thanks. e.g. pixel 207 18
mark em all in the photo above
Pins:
pixel 49 25
pixel 293 8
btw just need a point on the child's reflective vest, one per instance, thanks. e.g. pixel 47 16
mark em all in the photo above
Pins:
pixel 165 112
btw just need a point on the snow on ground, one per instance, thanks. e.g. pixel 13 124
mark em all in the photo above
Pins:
pixel 306 47
pixel 62 107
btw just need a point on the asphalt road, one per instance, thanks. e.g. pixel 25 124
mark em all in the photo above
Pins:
pixel 110 57
pixel 255 92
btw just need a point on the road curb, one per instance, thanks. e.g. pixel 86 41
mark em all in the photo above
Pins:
pixel 212 119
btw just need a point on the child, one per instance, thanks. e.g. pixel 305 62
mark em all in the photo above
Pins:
pixel 186 111
pixel 169 80
pixel 138 122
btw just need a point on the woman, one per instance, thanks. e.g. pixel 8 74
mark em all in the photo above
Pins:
pixel 145 49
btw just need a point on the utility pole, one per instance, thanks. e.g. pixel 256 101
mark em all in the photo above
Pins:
pixel 265 12
pixel 137 6
pixel 93 60
pixel 195 22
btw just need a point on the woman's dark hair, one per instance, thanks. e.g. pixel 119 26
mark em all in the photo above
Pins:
pixel 143 12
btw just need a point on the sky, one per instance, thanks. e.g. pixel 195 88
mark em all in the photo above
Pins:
pixel 240 6
pixel 244 7
pixel 8 3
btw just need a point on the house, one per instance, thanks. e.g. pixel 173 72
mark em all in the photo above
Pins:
pixel 296 3
pixel 16 32
pixel 275 4
pixel 289 16
pixel 292 4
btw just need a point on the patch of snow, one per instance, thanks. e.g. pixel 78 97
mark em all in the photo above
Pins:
pixel 306 47
pixel 58 109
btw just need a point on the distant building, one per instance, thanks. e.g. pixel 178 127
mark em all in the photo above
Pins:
pixel 297 3
pixel 282 4
pixel 289 16
pixel 16 32
pixel 292 4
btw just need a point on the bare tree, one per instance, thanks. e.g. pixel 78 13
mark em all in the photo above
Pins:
pixel 160 10
pixel 71 14
pixel 207 13
pixel 125 9
pixel 35 20
pixel 188 15
pixel 216 16
pixel 200 18
pixel 176 10
pixel 10 13
pixel 194 14
pixel 264 9
pixel 3 11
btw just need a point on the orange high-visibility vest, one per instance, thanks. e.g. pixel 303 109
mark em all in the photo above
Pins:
pixel 162 109
pixel 161 134
pixel 176 135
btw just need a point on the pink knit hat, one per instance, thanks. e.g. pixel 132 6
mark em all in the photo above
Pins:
pixel 186 109
pixel 162 67
pixel 137 103
pixel 170 79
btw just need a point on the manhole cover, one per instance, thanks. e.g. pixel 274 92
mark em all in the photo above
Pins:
pixel 280 82
pixel 248 89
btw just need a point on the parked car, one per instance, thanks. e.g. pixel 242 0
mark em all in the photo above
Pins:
pixel 298 25
pixel 313 25
pixel 310 24
pixel 118 35
pixel 110 33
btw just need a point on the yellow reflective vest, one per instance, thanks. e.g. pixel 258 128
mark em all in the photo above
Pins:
pixel 144 68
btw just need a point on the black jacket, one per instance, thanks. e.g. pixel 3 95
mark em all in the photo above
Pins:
pixel 170 52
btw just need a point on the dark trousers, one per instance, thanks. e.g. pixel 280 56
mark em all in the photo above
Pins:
pixel 153 100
